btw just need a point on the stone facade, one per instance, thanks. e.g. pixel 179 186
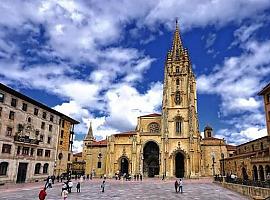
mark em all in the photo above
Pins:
pixel 78 164
pixel 167 144
pixel 28 137
pixel 265 92
pixel 63 162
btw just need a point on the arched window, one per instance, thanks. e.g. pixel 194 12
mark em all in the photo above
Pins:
pixel 45 168
pixel 261 173
pixel 177 82
pixel 255 173
pixel 177 98
pixel 60 156
pixel 3 168
pixel 37 168
pixel 29 119
pixel 178 125
pixel 153 127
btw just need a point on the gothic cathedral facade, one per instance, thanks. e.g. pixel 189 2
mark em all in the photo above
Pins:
pixel 162 145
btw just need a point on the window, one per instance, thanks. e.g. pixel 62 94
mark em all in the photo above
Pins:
pixel 2 96
pixel 40 152
pixel 9 131
pixel 177 81
pixel 99 164
pixel 209 134
pixel 177 69
pixel 50 128
pixel 41 137
pixel 0 111
pixel 29 119
pixel 45 168
pixel 37 168
pixel 62 133
pixel 261 146
pixel 63 123
pixel 25 151
pixel 153 127
pixel 6 148
pixel 47 153
pixel 267 98
pixel 11 115
pixel 178 125
pixel 51 118
pixel 36 111
pixel 61 142
pixel 24 107
pixel 49 140
pixel 69 157
pixel 76 159
pixel 252 147
pixel 177 98
pixel 44 115
pixel 3 168
pixel 18 150
pixel 42 125
pixel 13 102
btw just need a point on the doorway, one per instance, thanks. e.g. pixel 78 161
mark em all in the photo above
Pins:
pixel 179 165
pixel 124 165
pixel 22 170
pixel 151 159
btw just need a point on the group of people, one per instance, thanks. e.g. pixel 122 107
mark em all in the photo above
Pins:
pixel 178 184
pixel 66 188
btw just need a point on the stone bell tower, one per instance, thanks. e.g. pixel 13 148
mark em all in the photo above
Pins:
pixel 181 153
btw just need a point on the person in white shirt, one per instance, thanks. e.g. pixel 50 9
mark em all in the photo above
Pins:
pixel 181 185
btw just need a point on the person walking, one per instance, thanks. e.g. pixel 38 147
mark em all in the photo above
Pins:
pixel 103 186
pixel 70 185
pixel 176 186
pixel 64 187
pixel 78 186
pixel 50 183
pixel 181 185
pixel 42 194
pixel 64 194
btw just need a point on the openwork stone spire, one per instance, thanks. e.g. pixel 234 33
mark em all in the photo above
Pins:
pixel 177 46
pixel 89 135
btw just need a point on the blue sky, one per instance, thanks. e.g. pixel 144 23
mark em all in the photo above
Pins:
pixel 103 61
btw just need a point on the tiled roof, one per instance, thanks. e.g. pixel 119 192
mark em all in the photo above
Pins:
pixel 78 154
pixel 152 115
pixel 231 147
pixel 100 143
pixel 263 91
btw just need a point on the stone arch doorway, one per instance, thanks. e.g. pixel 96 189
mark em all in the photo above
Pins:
pixel 255 173
pixel 267 170
pixel 179 165
pixel 124 165
pixel 151 159
pixel 244 173
pixel 261 173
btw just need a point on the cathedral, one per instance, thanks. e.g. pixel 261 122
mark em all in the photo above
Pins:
pixel 167 144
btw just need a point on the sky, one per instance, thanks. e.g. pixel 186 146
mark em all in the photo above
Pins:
pixel 103 61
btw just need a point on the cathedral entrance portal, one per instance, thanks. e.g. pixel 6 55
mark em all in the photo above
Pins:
pixel 179 165
pixel 151 159
pixel 124 165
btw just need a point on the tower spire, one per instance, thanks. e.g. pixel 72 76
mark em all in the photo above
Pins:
pixel 177 46
pixel 89 135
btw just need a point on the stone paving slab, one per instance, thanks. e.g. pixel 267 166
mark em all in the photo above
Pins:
pixel 149 189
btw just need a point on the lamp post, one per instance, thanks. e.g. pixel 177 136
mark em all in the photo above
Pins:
pixel 213 162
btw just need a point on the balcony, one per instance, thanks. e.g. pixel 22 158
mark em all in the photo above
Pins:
pixel 26 139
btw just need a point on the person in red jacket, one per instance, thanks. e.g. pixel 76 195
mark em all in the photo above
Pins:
pixel 42 194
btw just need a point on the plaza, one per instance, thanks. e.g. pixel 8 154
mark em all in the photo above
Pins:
pixel 147 189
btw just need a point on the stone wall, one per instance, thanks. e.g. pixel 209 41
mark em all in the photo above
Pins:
pixel 250 191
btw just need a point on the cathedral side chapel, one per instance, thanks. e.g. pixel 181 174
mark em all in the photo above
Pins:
pixel 167 144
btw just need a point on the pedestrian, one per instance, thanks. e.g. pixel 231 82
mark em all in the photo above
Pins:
pixel 103 186
pixel 176 186
pixel 53 178
pixel 65 194
pixel 58 178
pixel 141 177
pixel 64 187
pixel 70 185
pixel 42 194
pixel 181 185
pixel 78 186
pixel 50 183
pixel 137 177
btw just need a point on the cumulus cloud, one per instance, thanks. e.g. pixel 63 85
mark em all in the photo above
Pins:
pixel 71 49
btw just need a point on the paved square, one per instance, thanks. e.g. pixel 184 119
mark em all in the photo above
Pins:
pixel 148 189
